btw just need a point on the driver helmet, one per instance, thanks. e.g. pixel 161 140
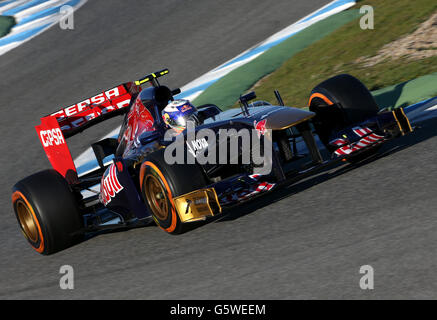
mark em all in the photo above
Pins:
pixel 178 112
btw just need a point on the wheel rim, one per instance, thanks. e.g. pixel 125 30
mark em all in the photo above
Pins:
pixel 156 197
pixel 27 221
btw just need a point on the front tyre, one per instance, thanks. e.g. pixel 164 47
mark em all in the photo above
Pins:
pixel 161 183
pixel 47 212
pixel 340 102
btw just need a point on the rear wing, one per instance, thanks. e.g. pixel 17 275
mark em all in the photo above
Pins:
pixel 69 121
pixel 108 104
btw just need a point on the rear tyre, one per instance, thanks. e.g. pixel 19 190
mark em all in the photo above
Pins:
pixel 162 182
pixel 47 212
pixel 339 102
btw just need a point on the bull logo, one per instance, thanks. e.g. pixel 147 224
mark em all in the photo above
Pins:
pixel 260 127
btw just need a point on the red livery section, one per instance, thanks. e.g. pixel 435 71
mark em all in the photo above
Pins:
pixel 77 115
pixel 110 185
pixel 53 142
pixel 368 137
pixel 139 120
pixel 58 126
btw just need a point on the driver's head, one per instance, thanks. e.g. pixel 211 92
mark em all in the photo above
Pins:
pixel 177 113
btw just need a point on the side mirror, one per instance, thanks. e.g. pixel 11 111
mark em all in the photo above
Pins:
pixel 208 111
pixel 244 102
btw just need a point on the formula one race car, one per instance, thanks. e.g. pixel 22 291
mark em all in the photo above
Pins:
pixel 177 177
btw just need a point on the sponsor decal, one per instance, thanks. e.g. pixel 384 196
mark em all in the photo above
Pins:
pixel 197 145
pixel 110 186
pixel 198 201
pixel 52 137
pixel 96 100
pixel 78 114
pixel 90 114
pixel 185 108
pixel 260 127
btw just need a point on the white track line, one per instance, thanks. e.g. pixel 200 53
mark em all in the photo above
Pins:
pixel 12 5
pixel 10 41
pixel 88 157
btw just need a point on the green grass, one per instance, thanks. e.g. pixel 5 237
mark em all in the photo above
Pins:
pixel 407 93
pixel 337 53
pixel 226 91
pixel 6 23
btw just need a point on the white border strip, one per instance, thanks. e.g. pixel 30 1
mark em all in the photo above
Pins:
pixel 86 161
pixel 22 33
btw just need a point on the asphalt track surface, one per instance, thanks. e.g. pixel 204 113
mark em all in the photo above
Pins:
pixel 305 241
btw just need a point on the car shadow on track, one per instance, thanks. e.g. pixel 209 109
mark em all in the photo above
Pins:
pixel 141 225
pixel 425 131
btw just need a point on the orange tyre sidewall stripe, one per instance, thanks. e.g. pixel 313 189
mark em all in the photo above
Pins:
pixel 321 96
pixel 17 195
pixel 170 196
